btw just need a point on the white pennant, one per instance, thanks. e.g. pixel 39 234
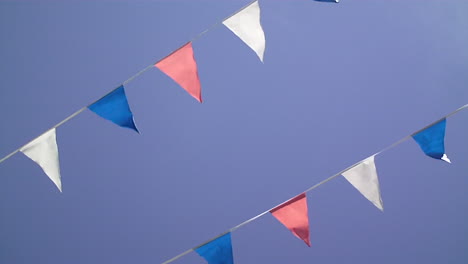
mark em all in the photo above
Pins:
pixel 44 151
pixel 364 178
pixel 246 25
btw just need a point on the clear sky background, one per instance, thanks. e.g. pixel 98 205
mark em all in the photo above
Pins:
pixel 339 83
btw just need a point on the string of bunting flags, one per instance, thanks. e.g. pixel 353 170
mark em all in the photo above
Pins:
pixel 293 213
pixel 180 66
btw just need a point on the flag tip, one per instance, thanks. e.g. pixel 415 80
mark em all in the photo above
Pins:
pixel 445 158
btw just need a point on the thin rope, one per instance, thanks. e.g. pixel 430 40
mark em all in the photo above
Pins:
pixel 220 22
pixel 213 26
pixel 315 186
pixel 134 76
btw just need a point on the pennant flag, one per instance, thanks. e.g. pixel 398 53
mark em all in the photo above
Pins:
pixel 218 251
pixel 246 25
pixel 114 107
pixel 364 178
pixel 330 1
pixel 44 151
pixel 182 68
pixel 293 214
pixel 431 140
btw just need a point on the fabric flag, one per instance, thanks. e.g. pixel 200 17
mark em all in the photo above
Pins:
pixel 182 68
pixel 431 140
pixel 364 178
pixel 293 214
pixel 246 25
pixel 330 1
pixel 218 251
pixel 114 107
pixel 44 151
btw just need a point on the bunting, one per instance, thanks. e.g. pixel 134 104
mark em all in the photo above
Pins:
pixel 431 140
pixel 114 107
pixel 44 151
pixel 246 25
pixel 218 251
pixel 182 68
pixel 294 216
pixel 364 178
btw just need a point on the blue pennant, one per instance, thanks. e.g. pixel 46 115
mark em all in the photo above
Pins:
pixel 114 107
pixel 218 251
pixel 431 140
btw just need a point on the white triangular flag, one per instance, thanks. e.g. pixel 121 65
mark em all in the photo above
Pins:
pixel 44 151
pixel 246 25
pixel 364 178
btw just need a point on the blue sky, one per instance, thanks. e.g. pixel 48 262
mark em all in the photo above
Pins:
pixel 339 83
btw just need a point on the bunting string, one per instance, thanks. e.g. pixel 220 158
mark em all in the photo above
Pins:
pixel 218 23
pixel 316 185
pixel 198 36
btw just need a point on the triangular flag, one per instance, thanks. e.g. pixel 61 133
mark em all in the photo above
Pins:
pixel 246 25
pixel 293 214
pixel 44 151
pixel 182 68
pixel 364 178
pixel 431 140
pixel 114 107
pixel 218 251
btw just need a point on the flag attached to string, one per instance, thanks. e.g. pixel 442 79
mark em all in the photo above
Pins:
pixel 364 178
pixel 182 68
pixel 293 214
pixel 431 140
pixel 44 151
pixel 246 25
pixel 218 251
pixel 114 107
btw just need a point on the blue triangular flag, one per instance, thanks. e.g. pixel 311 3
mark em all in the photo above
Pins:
pixel 431 140
pixel 218 251
pixel 114 107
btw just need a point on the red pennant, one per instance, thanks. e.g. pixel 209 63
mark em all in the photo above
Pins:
pixel 182 68
pixel 293 214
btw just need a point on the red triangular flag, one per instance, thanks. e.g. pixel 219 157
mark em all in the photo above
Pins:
pixel 293 214
pixel 182 68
